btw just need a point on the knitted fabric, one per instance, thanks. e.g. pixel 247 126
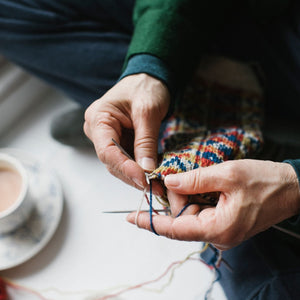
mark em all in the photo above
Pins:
pixel 212 123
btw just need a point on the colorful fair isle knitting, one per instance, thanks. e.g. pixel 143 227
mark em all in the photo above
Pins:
pixel 213 123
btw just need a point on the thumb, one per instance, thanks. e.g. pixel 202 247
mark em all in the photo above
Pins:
pixel 146 141
pixel 201 180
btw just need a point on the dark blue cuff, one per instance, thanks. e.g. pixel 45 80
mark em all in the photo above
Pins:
pixel 153 66
pixel 293 223
pixel 295 163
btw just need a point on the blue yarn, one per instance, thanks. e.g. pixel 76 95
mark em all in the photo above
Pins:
pixel 178 215
pixel 214 258
pixel 151 209
pixel 183 209
pixel 210 288
pixel 212 262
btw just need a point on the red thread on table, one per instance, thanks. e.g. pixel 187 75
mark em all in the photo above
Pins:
pixel 151 281
pixel 22 288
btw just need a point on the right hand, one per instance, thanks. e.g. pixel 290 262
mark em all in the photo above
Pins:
pixel 136 104
pixel 254 195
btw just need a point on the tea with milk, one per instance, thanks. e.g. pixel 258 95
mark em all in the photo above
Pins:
pixel 10 187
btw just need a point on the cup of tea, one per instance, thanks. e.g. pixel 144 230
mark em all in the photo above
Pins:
pixel 15 199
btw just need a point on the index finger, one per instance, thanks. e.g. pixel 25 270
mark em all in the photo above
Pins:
pixel 111 155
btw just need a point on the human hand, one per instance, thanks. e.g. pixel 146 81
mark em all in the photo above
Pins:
pixel 131 113
pixel 254 195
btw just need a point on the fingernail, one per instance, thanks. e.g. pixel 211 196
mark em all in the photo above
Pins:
pixel 172 180
pixel 147 163
pixel 138 183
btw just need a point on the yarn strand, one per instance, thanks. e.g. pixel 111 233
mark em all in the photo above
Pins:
pixel 140 207
pixel 151 208
pixel 176 264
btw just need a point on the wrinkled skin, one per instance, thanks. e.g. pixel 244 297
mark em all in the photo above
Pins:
pixel 254 196
pixel 131 113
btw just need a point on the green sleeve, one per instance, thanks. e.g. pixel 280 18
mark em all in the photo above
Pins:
pixel 176 30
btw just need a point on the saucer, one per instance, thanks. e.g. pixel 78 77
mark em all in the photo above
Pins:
pixel 23 243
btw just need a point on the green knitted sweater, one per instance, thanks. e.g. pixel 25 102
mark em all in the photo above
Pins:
pixel 167 29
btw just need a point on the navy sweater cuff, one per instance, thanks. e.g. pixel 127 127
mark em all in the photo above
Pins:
pixel 151 65
pixel 293 223
pixel 295 163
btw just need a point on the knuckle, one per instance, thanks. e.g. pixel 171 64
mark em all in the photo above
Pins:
pixel 87 114
pixel 194 180
pixel 231 172
pixel 102 117
pixel 172 234
pixel 119 168
pixel 102 155
pixel 147 111
pixel 91 111
pixel 114 170
pixel 86 128
pixel 105 120
pixel 102 113
pixel 110 170
pixel 145 142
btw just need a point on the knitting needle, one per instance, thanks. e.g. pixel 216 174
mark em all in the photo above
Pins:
pixel 130 211
pixel 158 210
pixel 126 154
pixel 122 149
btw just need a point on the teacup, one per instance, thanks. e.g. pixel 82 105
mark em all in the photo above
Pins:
pixel 15 199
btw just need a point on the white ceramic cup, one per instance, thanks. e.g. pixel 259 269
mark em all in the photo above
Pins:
pixel 14 214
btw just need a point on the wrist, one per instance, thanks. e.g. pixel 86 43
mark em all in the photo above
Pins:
pixel 146 95
pixel 156 68
pixel 145 83
pixel 153 66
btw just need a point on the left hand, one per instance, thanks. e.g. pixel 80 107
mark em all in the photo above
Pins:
pixel 131 113
pixel 254 195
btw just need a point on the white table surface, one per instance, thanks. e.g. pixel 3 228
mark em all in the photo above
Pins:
pixel 91 250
